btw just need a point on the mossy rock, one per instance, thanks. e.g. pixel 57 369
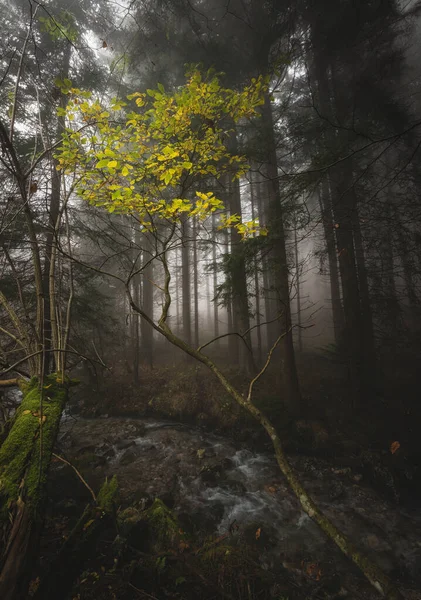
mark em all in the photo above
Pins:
pixel 163 524
pixel 155 529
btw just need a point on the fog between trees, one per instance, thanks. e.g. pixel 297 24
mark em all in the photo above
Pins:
pixel 288 132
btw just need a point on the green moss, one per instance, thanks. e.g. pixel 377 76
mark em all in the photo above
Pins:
pixel 163 523
pixel 107 495
pixel 26 452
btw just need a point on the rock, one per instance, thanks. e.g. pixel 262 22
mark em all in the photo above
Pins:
pixel 105 450
pixel 86 450
pixel 168 499
pixel 202 519
pixel 128 457
pixel 123 444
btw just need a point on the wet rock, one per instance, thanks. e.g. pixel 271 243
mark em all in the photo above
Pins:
pixel 168 499
pixel 202 519
pixel 128 457
pixel 211 474
pixel 106 451
pixel 123 444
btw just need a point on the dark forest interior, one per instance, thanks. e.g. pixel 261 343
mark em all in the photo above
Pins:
pixel 210 300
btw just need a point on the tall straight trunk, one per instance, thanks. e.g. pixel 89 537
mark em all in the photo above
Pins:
pixel 261 195
pixel 357 307
pixel 238 276
pixel 186 285
pixel 335 290
pixel 409 271
pixel 136 336
pixel 146 331
pixel 137 295
pixel 279 269
pixel 215 281
pixel 298 288
pixel 195 283
pixel 343 206
pixel 232 339
pixel 177 291
pixel 366 312
pixel 256 278
pixel 51 326
pixel 388 285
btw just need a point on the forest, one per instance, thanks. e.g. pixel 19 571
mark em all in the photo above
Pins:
pixel 210 299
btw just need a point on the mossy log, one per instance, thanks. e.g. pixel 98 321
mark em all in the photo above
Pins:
pixel 80 545
pixel 24 464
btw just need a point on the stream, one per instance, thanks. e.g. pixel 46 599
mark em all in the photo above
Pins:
pixel 218 486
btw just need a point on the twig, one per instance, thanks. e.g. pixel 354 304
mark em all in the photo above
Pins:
pixel 66 462
pixel 265 366
pixel 19 362
pixel 241 335
pixel 142 592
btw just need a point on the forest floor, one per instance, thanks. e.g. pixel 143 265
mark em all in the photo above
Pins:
pixel 233 528
pixel 229 527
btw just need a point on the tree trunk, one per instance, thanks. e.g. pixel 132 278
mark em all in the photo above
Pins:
pixel 238 277
pixel 369 364
pixel 256 279
pixel 335 290
pixel 298 289
pixel 279 267
pixel 195 283
pixel 146 332
pixel 185 266
pixel 215 282
pixel 51 326
pixel 343 207
pixel 24 464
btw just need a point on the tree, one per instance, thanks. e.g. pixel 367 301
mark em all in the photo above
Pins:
pixel 37 291
pixel 148 162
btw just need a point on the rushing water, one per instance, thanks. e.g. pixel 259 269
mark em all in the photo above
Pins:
pixel 221 486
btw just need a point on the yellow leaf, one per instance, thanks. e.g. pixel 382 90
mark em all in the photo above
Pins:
pixel 112 164
pixel 26 412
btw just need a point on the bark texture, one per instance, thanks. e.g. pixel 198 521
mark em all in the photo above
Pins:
pixel 24 464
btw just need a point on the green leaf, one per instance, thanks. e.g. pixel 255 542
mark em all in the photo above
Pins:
pixel 101 163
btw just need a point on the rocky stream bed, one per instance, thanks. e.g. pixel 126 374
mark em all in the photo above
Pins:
pixel 219 487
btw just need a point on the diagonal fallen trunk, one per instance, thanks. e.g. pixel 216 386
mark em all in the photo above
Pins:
pixel 24 463
pixel 378 579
